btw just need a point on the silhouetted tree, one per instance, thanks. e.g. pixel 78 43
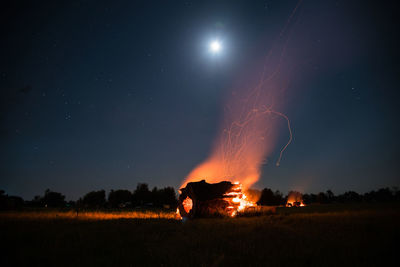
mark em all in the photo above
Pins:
pixel 322 198
pixel 164 197
pixel 280 200
pixel 313 198
pixel 307 199
pixel 168 197
pixel 269 198
pixel 94 199
pixel 119 198
pixel 3 200
pixel 384 195
pixel 330 196
pixel 349 196
pixel 141 195
pixel 15 202
pixel 38 200
pixel 396 194
pixel 53 199
pixel 156 197
pixel 10 202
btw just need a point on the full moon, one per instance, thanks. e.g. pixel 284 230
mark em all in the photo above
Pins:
pixel 215 46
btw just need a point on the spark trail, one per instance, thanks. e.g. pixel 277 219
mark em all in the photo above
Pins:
pixel 249 129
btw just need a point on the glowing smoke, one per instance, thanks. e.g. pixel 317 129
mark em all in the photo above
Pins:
pixel 246 139
pixel 249 129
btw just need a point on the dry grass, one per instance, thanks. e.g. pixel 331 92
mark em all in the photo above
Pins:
pixel 43 214
pixel 87 215
pixel 314 236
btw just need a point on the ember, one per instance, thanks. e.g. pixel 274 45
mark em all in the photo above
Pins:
pixel 201 199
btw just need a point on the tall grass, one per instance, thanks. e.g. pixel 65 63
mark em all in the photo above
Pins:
pixel 314 236
pixel 87 215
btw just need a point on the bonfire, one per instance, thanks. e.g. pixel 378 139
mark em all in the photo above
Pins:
pixel 202 199
pixel 295 199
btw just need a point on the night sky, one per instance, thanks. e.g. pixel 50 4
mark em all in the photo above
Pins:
pixel 106 94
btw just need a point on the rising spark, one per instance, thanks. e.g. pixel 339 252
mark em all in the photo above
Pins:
pixel 249 129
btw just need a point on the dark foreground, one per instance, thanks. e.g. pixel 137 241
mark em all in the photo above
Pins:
pixel 310 236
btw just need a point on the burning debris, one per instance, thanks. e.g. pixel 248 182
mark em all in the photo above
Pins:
pixel 295 199
pixel 201 199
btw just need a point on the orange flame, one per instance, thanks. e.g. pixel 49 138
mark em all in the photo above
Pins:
pixel 238 199
pixel 187 204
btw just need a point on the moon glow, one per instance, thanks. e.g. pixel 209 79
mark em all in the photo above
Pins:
pixel 215 46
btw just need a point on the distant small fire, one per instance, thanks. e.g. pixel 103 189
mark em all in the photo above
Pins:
pixel 295 199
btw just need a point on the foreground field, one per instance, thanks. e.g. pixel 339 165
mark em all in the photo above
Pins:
pixel 300 237
pixel 86 215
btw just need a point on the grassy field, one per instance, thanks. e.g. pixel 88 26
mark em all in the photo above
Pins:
pixel 328 235
pixel 86 215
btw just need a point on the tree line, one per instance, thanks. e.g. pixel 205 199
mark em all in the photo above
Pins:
pixel 166 197
pixel 142 196
pixel 269 197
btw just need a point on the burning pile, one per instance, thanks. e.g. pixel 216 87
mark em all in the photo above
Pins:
pixel 295 199
pixel 201 199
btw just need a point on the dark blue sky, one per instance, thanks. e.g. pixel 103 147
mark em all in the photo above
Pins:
pixel 103 94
